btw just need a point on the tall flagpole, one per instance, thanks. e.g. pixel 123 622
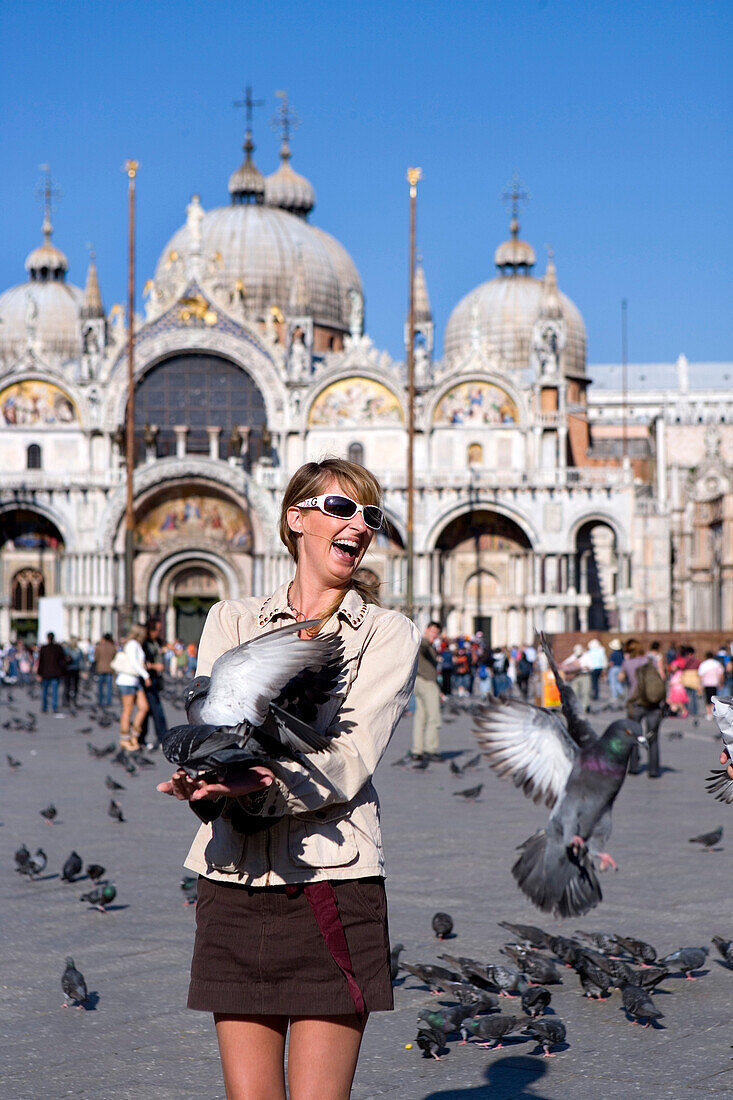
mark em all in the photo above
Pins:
pixel 413 175
pixel 131 167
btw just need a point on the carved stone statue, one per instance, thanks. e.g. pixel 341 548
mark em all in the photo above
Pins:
pixel 194 218
pixel 356 313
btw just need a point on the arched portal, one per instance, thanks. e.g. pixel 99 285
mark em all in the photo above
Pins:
pixel 597 574
pixel 484 571
pixel 198 391
pixel 31 553
pixel 187 593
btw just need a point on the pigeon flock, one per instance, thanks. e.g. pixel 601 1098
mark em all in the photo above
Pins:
pixel 469 990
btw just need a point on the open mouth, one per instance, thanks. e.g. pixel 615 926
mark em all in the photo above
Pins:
pixel 346 549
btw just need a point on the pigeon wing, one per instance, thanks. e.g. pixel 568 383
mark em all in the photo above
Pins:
pixel 247 678
pixel 579 727
pixel 720 785
pixel 529 745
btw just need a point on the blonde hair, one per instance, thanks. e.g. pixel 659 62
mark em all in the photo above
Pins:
pixel 136 633
pixel 310 480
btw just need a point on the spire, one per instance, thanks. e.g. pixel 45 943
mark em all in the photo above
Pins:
pixel 423 313
pixel 285 188
pixel 247 184
pixel 92 305
pixel 299 305
pixel 47 262
pixel 515 257
pixel 551 307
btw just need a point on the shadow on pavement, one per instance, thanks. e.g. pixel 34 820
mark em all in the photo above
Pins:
pixel 510 1078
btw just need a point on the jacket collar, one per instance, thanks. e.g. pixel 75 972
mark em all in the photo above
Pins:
pixel 353 607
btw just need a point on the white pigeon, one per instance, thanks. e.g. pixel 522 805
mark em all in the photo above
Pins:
pixel 719 783
pixel 245 680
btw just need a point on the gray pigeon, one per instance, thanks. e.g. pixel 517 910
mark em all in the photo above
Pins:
pixel 535 1000
pixel 708 840
pixel 639 1004
pixel 491 1029
pixel 640 952
pixel 548 1032
pixel 725 947
pixel 115 811
pixel 101 896
pixel 394 960
pixel 235 715
pixel 572 770
pixel 526 933
pixel 442 925
pixel 537 967
pixel 685 960
pixel 35 865
pixel 73 985
pixel 430 975
pixel 72 867
pixel 22 856
pixel 430 1040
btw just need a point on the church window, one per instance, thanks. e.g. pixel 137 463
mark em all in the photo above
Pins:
pixel 356 453
pixel 198 390
pixel 27 587
pixel 33 457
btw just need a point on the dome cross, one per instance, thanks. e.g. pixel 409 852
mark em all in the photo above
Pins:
pixel 285 119
pixel 48 195
pixel 515 196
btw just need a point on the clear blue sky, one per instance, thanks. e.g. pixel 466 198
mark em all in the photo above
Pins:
pixel 617 117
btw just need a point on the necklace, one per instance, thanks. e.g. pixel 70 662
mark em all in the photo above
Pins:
pixel 299 616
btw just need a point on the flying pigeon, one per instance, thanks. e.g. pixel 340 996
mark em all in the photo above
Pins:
pixel 101 896
pixel 115 811
pixel 34 865
pixel 725 947
pixel 535 1000
pixel 95 871
pixel 12 762
pixel 99 754
pixel 112 784
pixel 49 813
pixel 685 960
pixel 572 770
pixel 442 925
pixel 719 783
pixel 72 867
pixel 73 985
pixel 251 707
pixel 491 1029
pixel 472 762
pixel 639 1004
pixel 708 840
pixel 548 1032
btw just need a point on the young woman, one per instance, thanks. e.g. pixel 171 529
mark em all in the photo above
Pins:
pixel 291 917
pixel 131 685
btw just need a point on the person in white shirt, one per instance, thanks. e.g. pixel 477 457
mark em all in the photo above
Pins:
pixel 712 675
pixel 131 681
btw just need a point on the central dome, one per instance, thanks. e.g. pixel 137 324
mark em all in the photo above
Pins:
pixel 267 249
pixel 500 314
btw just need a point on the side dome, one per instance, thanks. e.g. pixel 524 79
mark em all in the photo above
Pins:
pixel 500 315
pixel 46 309
pixel 287 189
pixel 267 251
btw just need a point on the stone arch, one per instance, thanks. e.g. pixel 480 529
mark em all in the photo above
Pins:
pixel 186 609
pixel 597 563
pixel 599 516
pixel 497 380
pixel 354 374
pixel 523 522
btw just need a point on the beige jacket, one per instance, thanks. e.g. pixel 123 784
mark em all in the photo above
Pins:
pixel 326 814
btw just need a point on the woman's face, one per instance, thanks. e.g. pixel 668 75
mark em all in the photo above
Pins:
pixel 332 548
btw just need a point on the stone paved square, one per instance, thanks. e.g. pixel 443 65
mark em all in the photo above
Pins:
pixel 139 1041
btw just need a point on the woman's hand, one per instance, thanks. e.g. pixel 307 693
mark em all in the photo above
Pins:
pixel 725 759
pixel 183 787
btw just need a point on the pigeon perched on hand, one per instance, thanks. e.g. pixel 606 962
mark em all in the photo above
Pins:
pixel 73 985
pixel 708 840
pixel 72 867
pixel 241 715
pixel 572 770
pixel 719 783
pixel 442 925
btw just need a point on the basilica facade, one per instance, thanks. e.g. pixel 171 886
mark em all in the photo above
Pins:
pixel 546 494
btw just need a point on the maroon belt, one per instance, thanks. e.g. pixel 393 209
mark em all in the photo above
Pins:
pixel 321 897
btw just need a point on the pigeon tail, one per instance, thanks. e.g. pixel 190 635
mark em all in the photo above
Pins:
pixel 553 881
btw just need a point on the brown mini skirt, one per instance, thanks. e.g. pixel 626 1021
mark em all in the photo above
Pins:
pixel 260 952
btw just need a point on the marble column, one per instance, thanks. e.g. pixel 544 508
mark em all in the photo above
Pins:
pixel 181 432
pixel 213 433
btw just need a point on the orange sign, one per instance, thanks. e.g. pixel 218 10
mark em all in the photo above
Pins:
pixel 550 693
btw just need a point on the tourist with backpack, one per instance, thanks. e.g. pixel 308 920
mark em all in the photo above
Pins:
pixel 645 702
